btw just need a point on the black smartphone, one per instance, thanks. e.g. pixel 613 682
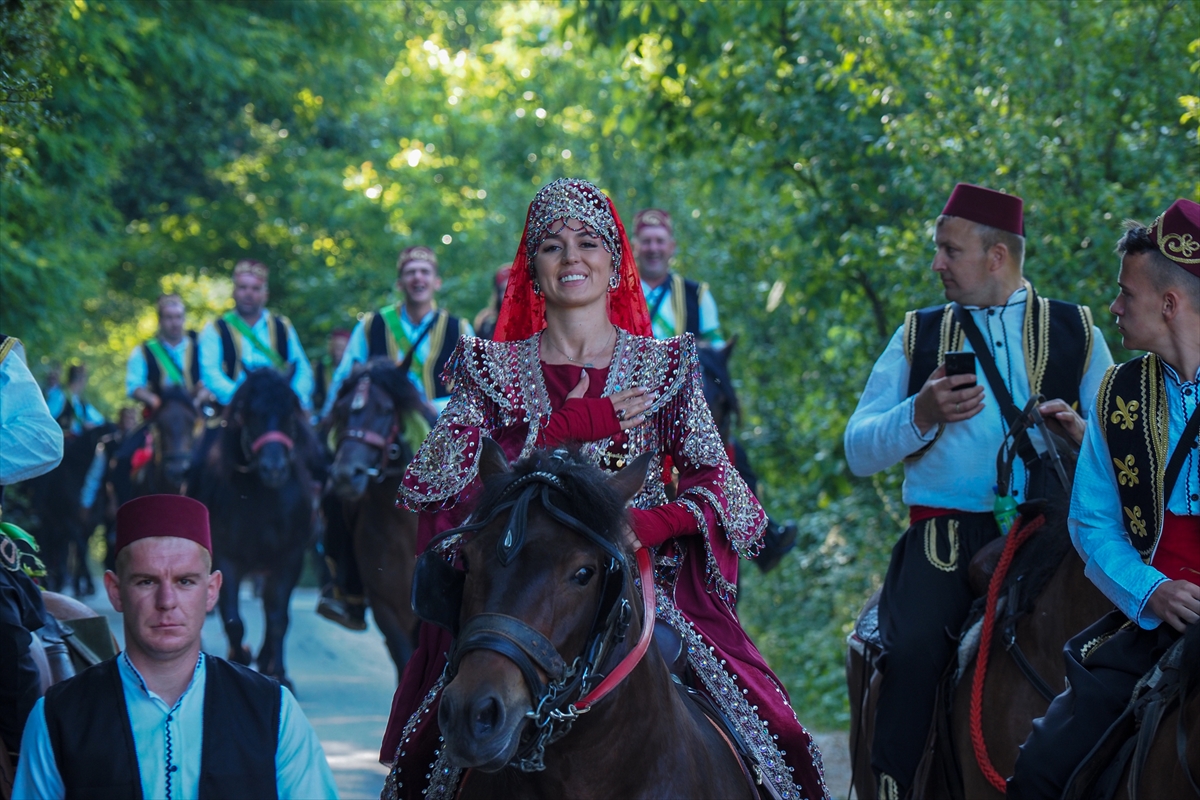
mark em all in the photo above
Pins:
pixel 960 363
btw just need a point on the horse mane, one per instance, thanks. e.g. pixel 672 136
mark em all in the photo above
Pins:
pixel 385 374
pixel 588 496
pixel 1040 557
pixel 265 391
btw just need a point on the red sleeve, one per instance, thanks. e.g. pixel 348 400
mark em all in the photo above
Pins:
pixel 581 419
pixel 654 526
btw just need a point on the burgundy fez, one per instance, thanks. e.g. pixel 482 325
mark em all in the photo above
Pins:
pixel 1177 234
pixel 163 515
pixel 1005 212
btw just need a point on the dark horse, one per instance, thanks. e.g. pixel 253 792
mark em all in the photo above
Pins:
pixel 369 419
pixel 256 481
pixel 1045 599
pixel 546 575
pixel 172 429
pixel 723 403
pixel 63 524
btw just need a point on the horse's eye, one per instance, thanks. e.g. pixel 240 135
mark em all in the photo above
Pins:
pixel 583 575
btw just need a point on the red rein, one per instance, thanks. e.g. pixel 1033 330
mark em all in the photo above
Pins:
pixel 272 436
pixel 646 572
pixel 1015 540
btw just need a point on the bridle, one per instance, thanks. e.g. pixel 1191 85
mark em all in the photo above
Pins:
pixel 388 446
pixel 569 689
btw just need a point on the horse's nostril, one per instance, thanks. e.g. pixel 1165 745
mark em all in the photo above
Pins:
pixel 487 715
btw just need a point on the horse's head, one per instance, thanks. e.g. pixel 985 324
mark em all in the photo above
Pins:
pixel 265 419
pixel 369 419
pixel 545 601
pixel 174 426
pixel 718 385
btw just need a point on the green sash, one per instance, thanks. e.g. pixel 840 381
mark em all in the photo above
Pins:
pixel 240 325
pixel 391 318
pixel 165 362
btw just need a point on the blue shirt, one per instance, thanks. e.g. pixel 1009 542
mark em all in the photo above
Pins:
pixel 960 470
pixel 137 372
pixel 1097 521
pixel 31 443
pixel 664 324
pixel 85 412
pixel 168 743
pixel 358 350
pixel 212 368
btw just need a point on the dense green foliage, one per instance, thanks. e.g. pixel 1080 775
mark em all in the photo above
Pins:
pixel 803 148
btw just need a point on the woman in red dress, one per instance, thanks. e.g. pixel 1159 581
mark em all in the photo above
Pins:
pixel 573 360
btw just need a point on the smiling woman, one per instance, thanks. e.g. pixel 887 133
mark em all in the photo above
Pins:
pixel 573 361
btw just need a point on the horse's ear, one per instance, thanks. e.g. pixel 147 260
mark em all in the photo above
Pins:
pixel 727 350
pixel 492 461
pixel 629 480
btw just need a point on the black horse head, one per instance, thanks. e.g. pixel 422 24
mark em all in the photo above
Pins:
pixel 174 432
pixel 266 431
pixel 368 418
pixel 718 386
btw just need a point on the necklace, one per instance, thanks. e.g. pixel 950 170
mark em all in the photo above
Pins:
pixel 582 361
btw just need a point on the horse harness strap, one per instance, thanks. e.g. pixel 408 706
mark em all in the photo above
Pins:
pixel 510 637
pixel 1030 672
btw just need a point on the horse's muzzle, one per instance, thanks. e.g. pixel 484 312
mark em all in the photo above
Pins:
pixel 482 729
pixel 274 467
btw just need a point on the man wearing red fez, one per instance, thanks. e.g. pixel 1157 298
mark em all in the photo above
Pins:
pixel 677 304
pixel 414 326
pixel 1140 540
pixel 251 337
pixel 485 320
pixel 163 719
pixel 947 429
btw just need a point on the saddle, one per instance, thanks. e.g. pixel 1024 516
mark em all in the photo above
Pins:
pixel 1126 743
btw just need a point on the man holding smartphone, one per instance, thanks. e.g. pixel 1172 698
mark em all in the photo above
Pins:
pixel 947 428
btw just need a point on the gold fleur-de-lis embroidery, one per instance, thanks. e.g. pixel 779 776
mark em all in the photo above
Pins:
pixel 1127 473
pixel 1136 523
pixel 1124 415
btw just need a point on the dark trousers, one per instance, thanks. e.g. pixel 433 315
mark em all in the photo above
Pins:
pixel 338 544
pixel 21 611
pixel 1104 663
pixel 925 601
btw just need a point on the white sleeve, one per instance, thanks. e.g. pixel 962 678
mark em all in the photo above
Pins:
pixel 211 370
pixel 301 771
pixel 302 380
pixel 1098 532
pixel 356 352
pixel 137 371
pixel 38 777
pixel 31 442
pixel 881 432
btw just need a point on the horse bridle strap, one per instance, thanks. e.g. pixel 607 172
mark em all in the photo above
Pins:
pixel 513 639
pixel 272 436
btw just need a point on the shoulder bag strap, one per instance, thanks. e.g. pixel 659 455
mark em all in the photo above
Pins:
pixel 984 356
pixel 1175 465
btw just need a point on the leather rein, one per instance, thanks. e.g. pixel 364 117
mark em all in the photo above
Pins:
pixel 569 690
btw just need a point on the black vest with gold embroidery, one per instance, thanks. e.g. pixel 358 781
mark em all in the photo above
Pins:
pixel 1134 418
pixel 1057 339
pixel 443 338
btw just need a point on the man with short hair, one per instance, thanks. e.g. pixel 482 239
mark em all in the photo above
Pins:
pixel 163 719
pixel 170 358
pixel 677 304
pixel 1135 508
pixel 947 431
pixel 70 406
pixel 415 326
pixel 251 337
pixel 327 364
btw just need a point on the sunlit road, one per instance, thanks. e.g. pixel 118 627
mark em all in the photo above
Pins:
pixel 344 682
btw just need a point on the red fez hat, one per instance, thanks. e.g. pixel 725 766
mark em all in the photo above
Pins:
pixel 1177 234
pixel 653 218
pixel 163 515
pixel 987 207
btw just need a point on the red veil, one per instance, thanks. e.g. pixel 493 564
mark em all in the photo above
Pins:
pixel 523 313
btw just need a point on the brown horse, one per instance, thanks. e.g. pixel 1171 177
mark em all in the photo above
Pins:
pixel 546 574
pixel 369 419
